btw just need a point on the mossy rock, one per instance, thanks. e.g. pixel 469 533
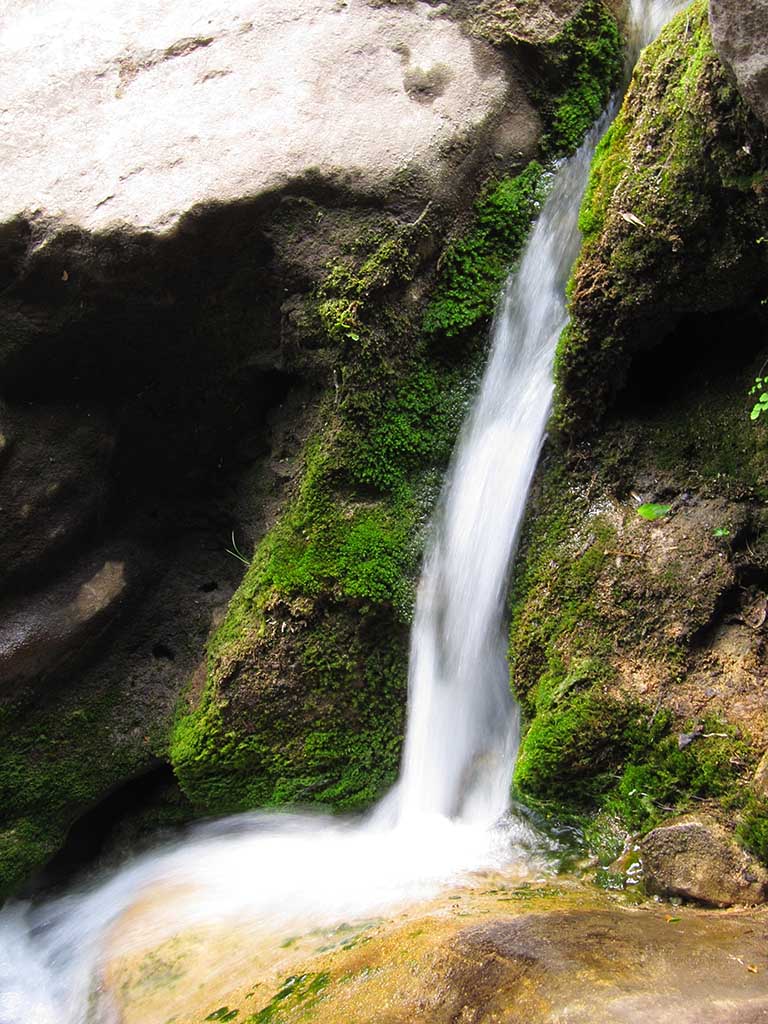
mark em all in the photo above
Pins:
pixel 630 647
pixel 673 218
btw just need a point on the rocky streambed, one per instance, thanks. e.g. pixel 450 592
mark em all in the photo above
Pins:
pixel 503 949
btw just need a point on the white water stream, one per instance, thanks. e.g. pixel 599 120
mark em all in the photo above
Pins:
pixel 446 815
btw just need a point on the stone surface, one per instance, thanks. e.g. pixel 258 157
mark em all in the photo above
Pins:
pixel 40 631
pixel 244 97
pixel 698 860
pixel 526 20
pixel 740 33
pixel 53 469
pixel 508 955
pixel 760 778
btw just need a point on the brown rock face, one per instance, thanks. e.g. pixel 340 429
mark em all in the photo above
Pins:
pixel 740 34
pixel 699 861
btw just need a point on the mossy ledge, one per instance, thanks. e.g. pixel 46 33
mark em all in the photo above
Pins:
pixel 304 698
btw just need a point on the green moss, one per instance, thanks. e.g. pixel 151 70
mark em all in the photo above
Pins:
pixel 753 828
pixel 558 638
pixel 613 766
pixel 572 748
pixel 300 991
pixel 473 267
pixel 331 735
pixel 587 60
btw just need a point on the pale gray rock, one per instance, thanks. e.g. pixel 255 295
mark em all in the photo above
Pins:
pixel 133 114
pixel 698 860
pixel 740 34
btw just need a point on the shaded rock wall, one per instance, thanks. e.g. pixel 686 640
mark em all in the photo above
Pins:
pixel 740 33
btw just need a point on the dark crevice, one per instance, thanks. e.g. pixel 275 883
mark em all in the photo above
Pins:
pixel 163 652
pixel 703 349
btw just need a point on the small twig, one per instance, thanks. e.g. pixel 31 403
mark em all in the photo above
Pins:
pixel 236 552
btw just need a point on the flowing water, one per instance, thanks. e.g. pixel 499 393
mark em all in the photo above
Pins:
pixel 448 813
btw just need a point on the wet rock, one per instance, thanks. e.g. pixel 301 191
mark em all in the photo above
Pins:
pixel 699 861
pixel 565 957
pixel 740 33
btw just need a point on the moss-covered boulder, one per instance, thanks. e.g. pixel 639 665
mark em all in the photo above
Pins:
pixel 673 221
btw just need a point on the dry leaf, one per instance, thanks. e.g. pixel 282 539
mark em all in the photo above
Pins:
pixel 630 218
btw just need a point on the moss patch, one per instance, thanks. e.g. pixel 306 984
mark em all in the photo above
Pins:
pixel 587 59
pixel 43 782
pixel 473 267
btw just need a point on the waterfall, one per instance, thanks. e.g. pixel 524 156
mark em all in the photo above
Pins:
pixel 446 815
pixel 463 725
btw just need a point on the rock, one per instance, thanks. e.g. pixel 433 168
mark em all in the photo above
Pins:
pixel 569 956
pixel 243 100
pixel 40 631
pixel 740 33
pixel 699 861
pixel 760 778
pixel 498 20
pixel 53 469
pixel 681 123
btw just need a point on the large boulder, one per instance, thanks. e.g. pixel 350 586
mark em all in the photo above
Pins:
pixel 674 217
pixel 218 235
pixel 740 33
pixel 243 99
pixel 638 603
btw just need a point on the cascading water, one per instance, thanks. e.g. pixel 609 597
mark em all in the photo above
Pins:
pixel 280 873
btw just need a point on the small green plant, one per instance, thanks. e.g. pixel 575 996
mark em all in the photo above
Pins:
pixel 652 512
pixel 722 531
pixel 759 388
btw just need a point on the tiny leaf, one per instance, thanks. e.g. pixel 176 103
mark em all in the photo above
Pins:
pixel 653 511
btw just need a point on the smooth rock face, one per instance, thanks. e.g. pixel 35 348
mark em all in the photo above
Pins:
pixel 53 468
pixel 243 97
pixel 40 631
pixel 699 861
pixel 740 34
